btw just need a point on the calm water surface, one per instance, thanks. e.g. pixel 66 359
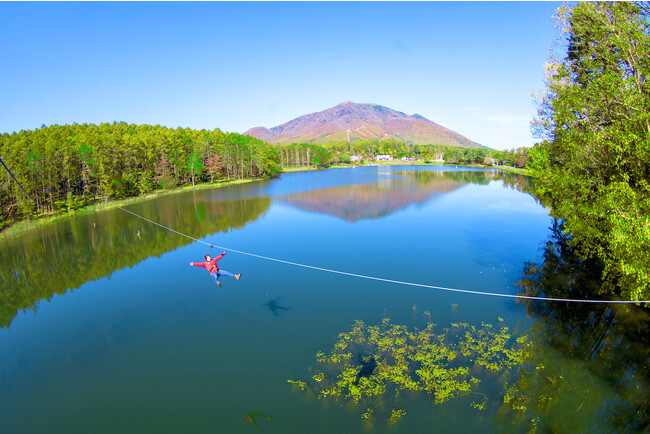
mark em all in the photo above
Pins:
pixel 105 330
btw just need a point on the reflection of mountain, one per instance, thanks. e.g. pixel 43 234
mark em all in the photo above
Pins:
pixel 372 201
pixel 357 202
pixel 66 255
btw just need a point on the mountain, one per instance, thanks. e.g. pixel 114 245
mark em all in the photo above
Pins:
pixel 349 121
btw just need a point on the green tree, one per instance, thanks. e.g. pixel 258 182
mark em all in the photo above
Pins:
pixel 320 156
pixel 595 117
pixel 195 166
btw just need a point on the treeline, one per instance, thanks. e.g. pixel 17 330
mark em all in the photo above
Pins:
pixel 513 157
pixel 63 168
pixel 341 152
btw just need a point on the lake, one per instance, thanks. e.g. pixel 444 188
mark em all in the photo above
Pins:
pixel 107 328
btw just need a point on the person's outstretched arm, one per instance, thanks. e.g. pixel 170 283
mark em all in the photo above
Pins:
pixel 199 264
pixel 214 260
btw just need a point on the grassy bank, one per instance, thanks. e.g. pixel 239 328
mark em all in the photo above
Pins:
pixel 19 228
pixel 289 169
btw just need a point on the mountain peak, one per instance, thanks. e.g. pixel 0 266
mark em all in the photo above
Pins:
pixel 351 121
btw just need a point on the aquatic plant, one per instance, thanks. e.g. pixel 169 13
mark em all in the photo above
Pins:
pixel 443 365
pixel 395 415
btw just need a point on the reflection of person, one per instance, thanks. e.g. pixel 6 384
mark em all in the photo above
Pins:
pixel 215 272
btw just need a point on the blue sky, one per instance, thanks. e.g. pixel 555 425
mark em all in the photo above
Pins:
pixel 469 66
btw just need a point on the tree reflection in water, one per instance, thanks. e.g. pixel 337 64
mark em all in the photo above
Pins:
pixel 56 258
pixel 585 354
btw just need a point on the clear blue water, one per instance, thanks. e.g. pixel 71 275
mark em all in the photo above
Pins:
pixel 108 331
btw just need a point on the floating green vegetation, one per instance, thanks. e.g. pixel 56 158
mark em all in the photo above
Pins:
pixel 371 363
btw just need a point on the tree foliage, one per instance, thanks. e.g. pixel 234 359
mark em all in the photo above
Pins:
pixel 62 165
pixel 302 154
pixel 595 117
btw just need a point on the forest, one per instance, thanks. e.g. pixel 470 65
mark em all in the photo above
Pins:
pixel 64 168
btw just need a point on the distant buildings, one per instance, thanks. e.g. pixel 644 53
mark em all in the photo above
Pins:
pixel 382 157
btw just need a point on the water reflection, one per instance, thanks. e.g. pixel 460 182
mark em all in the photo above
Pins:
pixel 66 255
pixel 119 348
pixel 392 191
pixel 591 364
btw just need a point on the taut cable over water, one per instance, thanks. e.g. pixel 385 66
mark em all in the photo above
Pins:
pixel 19 184
pixel 399 282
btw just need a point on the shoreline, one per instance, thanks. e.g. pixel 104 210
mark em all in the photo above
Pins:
pixel 19 228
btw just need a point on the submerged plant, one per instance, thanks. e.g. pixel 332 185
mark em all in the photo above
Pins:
pixel 395 415
pixel 371 363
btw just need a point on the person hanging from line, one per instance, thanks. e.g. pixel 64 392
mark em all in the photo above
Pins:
pixel 211 265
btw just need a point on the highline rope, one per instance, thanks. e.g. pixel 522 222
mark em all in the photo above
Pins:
pixel 399 282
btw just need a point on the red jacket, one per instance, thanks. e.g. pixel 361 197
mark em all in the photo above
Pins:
pixel 210 265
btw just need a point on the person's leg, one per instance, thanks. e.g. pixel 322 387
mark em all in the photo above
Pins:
pixel 228 273
pixel 216 279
